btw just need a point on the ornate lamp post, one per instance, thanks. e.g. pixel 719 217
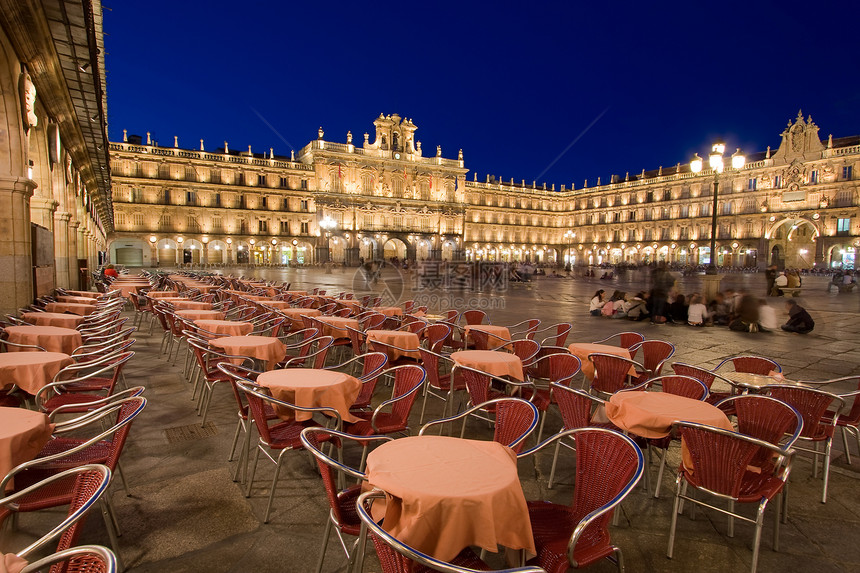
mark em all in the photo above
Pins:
pixel 569 235
pixel 328 225
pixel 715 160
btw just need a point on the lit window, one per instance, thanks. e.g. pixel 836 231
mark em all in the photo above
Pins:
pixel 843 225
pixel 813 177
pixel 777 181
pixel 751 184
pixel 847 172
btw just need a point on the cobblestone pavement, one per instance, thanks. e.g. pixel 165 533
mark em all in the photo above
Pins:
pixel 186 514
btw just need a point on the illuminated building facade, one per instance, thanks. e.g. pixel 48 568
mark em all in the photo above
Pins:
pixel 795 206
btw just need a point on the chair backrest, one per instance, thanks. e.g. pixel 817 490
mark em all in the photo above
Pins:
pixel 435 334
pixel 654 354
pixel 540 366
pixel 477 384
pixel 574 405
pixel 475 317
pixel 374 363
pixel 811 404
pixel 397 557
pixel 610 372
pixel 685 386
pixel 625 340
pixel 239 373
pixel 408 379
pixel 765 418
pixel 525 350
pixel 516 419
pixel 430 360
pixel 83 558
pixel 562 329
pixel 373 321
pixel 258 397
pixel 751 364
pixel 704 376
pixel 720 458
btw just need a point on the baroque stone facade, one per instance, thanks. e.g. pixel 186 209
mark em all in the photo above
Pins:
pixel 795 206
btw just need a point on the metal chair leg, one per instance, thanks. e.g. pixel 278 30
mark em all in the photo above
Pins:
pixel 272 490
pixel 554 462
pixel 326 535
pixel 828 445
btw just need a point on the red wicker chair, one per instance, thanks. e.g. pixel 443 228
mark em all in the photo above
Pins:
pixel 558 334
pixel 625 340
pixel 751 364
pixel 655 353
pixel 438 381
pixel 475 317
pixel 612 374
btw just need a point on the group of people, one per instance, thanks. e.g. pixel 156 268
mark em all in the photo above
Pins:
pixel 739 311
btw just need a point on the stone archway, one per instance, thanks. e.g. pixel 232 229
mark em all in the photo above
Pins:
pixel 394 247
pixel 166 252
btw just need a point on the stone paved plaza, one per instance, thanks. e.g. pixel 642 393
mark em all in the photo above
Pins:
pixel 185 514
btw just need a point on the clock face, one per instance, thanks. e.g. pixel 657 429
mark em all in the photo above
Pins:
pixel 396 156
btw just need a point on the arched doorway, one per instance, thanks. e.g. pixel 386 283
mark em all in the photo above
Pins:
pixel 166 250
pixel 394 248
pixel 243 253
pixel 367 249
pixel 422 249
pixel 775 255
pixel 843 257
pixel 337 249
pixel 129 252
pixel 192 252
pixel 448 248
pixel 217 252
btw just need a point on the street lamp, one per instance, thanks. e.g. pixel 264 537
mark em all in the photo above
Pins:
pixel 569 235
pixel 715 161
pixel 328 224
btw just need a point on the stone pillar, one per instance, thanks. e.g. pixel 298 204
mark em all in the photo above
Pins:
pixel 180 254
pixel 229 254
pixel 204 255
pixel 72 255
pixel 711 286
pixel 153 254
pixel 42 211
pixel 16 261
pixel 62 266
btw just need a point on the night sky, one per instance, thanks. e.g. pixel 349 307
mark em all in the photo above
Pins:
pixel 553 91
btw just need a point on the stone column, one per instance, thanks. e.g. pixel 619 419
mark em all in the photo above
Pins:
pixel 61 248
pixel 153 255
pixel 72 254
pixel 16 261
pixel 42 211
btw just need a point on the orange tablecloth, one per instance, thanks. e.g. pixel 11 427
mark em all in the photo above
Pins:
pixel 163 294
pixel 277 304
pixel 190 305
pixel 200 314
pixel 651 414
pixel 298 292
pixel 73 307
pixel 499 335
pixel 350 302
pixel 333 325
pixel 51 338
pixel 228 327
pixel 86 293
pixel 53 319
pixel 127 288
pixel 312 388
pixel 448 494
pixel 31 370
pixel 267 349
pixel 403 339
pixel 295 315
pixel 77 299
pixel 11 563
pixel 492 362
pixel 388 310
pixel 23 433
pixel 582 349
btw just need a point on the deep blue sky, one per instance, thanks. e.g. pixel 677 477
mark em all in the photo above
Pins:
pixel 512 83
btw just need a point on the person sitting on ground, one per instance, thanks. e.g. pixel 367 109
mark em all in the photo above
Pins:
pixel 719 310
pixel 597 303
pixel 747 319
pixel 697 313
pixel 767 315
pixel 678 309
pixel 780 281
pixel 637 307
pixel 619 305
pixel 799 320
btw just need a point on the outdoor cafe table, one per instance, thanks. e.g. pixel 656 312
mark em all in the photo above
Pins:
pixel 226 327
pixel 312 388
pixel 295 315
pixel 499 335
pixel 334 325
pixel 126 288
pixel 651 414
pixel 266 349
pixel 446 494
pixel 278 304
pixel 163 294
pixel 402 339
pixel 184 304
pixel 73 307
pixel 582 349
pixel 51 338
pixel 53 319
pixel 77 299
pixel 493 362
pixel 754 382
pixel 86 293
pixel 30 371
pixel 388 310
pixel 23 434
pixel 200 314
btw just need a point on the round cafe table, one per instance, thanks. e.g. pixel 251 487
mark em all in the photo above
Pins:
pixel 227 327
pixel 312 388
pixel 73 307
pixel 23 434
pixel 51 338
pixel 388 310
pixel 499 335
pixel 31 370
pixel 334 326
pixel 53 319
pixel 446 494
pixel 279 305
pixel 77 299
pixel 266 349
pixel 407 340
pixel 492 362
pixel 582 349
pixel 185 304
pixel 200 314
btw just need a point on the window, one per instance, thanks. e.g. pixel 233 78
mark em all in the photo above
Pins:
pixel 305 228
pixel 843 226
pixel 284 182
pixel 285 227
pixel 685 211
pixel 647 234
pixel 190 175
pixel 844 198
pixel 847 172
pixel 192 223
pixel 217 199
pixel 632 215
pixel 705 210
pixel 777 181
pixel 217 225
pixel 813 177
pixel 166 196
pixel 261 180
pixel 190 198
pixel 285 204
pixel 243 226
pixel 264 202
pixel 240 178
pixel 304 205
pixel 135 195
pixel 138 219
pixel 164 223
pixel 751 184
pixel 121 219
pixel 304 184
pixel 241 201
pixel 262 226
pixel 631 234
pixel 727 208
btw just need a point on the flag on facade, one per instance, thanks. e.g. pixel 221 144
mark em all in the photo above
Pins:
pixel 339 172
pixel 431 182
